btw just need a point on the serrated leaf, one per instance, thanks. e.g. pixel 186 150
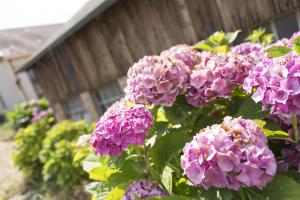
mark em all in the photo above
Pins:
pixel 248 109
pixel 166 178
pixel 173 197
pixel 168 146
pixel 231 36
pixel 267 39
pixel 101 173
pixel 204 45
pixel 217 38
pixel 297 44
pixel 222 48
pixel 281 187
pixel 130 170
pixel 115 194
pixel 278 51
pixel 255 36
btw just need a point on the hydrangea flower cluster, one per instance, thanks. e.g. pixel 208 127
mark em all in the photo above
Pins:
pixel 143 189
pixel 183 52
pixel 159 79
pixel 120 126
pixel 277 84
pixel 229 155
pixel 248 48
pixel 215 76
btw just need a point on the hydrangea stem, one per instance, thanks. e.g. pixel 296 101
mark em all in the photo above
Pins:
pixel 242 194
pixel 295 129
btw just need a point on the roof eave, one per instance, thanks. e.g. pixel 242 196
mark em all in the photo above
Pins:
pixel 67 30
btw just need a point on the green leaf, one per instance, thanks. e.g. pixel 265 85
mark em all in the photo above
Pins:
pixel 166 178
pixel 101 173
pixel 204 45
pixel 276 134
pixel 179 112
pixel 231 36
pixel 130 170
pixel 248 109
pixel 281 187
pixel 168 146
pixel 222 48
pixel 255 36
pixel 278 51
pixel 90 162
pixel 271 134
pixel 267 39
pixel 172 197
pixel 297 44
pixel 81 154
pixel 115 194
pixel 98 190
pixel 217 38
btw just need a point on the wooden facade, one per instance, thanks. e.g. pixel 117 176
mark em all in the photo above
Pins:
pixel 108 45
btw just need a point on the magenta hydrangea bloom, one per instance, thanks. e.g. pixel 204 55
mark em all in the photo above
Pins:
pixel 216 76
pixel 229 155
pixel 143 189
pixel 156 80
pixel 183 52
pixel 277 84
pixel 120 126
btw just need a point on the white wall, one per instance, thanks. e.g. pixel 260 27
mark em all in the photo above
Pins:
pixel 8 89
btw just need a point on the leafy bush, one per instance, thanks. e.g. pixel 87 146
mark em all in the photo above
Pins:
pixel 28 144
pixel 222 123
pixel 27 113
pixel 58 149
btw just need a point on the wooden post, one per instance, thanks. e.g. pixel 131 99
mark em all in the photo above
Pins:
pixel 59 111
pixel 89 104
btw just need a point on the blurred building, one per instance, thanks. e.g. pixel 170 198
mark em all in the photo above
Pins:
pixel 81 70
pixel 17 45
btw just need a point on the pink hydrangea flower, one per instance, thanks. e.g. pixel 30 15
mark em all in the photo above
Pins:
pixel 216 76
pixel 183 52
pixel 38 116
pixel 229 155
pixel 156 80
pixel 120 126
pixel 143 189
pixel 277 84
pixel 254 52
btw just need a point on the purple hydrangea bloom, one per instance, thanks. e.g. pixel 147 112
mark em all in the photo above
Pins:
pixel 143 189
pixel 248 48
pixel 156 80
pixel 216 76
pixel 291 158
pixel 183 52
pixel 120 126
pixel 229 155
pixel 277 84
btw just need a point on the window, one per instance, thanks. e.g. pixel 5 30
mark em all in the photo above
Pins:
pixel 286 26
pixel 107 95
pixel 75 109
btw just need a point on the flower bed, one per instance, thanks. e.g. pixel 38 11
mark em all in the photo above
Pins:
pixel 208 121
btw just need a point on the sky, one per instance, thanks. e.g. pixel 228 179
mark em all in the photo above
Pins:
pixel 24 13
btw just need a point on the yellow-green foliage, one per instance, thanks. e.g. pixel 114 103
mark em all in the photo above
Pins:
pixel 28 144
pixel 58 150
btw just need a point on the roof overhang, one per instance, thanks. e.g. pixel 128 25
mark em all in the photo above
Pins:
pixel 91 10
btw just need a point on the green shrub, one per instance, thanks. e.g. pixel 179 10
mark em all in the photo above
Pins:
pixel 59 148
pixel 28 144
pixel 23 113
